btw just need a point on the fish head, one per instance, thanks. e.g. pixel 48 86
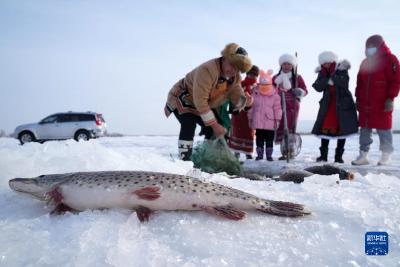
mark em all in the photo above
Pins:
pixel 36 187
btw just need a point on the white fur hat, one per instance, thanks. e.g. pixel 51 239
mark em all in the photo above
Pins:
pixel 288 58
pixel 327 57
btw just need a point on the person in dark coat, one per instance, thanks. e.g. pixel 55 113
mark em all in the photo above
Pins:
pixel 337 115
pixel 378 83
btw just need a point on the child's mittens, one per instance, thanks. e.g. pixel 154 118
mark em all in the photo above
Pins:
pixel 298 92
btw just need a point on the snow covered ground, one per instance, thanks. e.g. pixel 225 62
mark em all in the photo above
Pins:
pixel 332 236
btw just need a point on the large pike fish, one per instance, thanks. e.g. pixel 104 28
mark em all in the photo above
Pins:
pixel 146 192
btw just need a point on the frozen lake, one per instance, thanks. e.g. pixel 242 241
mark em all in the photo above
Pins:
pixel 332 236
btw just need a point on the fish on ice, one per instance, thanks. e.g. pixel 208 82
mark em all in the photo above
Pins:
pixel 146 192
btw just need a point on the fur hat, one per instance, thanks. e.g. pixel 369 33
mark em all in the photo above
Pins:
pixel 237 56
pixel 265 82
pixel 342 65
pixel 327 57
pixel 288 58
pixel 254 71
pixel 374 41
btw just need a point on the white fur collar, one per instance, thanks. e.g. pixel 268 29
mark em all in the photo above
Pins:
pixel 342 65
pixel 288 74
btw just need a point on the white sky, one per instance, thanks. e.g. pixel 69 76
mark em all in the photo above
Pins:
pixel 120 58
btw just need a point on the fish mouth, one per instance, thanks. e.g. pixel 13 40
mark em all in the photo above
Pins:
pixel 23 184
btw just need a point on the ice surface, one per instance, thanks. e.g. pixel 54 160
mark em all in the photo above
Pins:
pixel 332 236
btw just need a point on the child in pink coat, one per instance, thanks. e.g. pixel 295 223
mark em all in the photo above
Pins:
pixel 265 114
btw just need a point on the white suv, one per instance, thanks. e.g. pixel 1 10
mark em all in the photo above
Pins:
pixel 77 125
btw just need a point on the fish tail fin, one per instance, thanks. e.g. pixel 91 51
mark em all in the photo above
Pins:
pixel 285 209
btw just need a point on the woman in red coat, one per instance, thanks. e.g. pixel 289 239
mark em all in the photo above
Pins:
pixel 378 83
pixel 241 136
pixel 294 89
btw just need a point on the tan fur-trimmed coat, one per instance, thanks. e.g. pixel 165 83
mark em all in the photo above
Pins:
pixel 202 90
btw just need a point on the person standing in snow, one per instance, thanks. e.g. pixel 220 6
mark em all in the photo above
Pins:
pixel 197 98
pixel 337 115
pixel 378 83
pixel 294 88
pixel 265 114
pixel 241 136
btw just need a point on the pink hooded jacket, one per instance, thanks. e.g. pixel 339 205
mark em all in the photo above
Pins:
pixel 266 111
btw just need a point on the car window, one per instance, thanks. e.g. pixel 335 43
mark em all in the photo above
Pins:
pixel 49 119
pixel 86 117
pixel 68 118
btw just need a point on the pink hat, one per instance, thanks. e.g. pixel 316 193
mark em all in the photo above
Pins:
pixel 265 82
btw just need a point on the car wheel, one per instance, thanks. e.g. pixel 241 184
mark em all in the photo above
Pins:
pixel 82 135
pixel 26 137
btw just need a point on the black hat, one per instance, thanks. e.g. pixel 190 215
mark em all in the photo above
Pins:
pixel 254 71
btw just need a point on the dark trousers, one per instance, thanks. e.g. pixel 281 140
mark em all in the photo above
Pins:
pixel 188 123
pixel 264 136
pixel 340 143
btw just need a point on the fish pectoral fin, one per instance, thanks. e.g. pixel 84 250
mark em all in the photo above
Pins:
pixel 228 212
pixel 143 213
pixel 61 209
pixel 54 196
pixel 148 193
pixel 286 209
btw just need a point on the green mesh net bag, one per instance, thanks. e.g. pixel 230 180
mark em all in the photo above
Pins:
pixel 214 156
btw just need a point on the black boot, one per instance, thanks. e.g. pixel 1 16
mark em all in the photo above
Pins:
pixel 185 149
pixel 324 150
pixel 268 153
pixel 339 150
pixel 324 154
pixel 260 153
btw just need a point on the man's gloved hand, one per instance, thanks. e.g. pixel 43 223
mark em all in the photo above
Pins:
pixel 218 129
pixel 388 105
pixel 298 92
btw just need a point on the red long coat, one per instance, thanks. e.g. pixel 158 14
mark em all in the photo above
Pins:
pixel 241 136
pixel 292 108
pixel 378 79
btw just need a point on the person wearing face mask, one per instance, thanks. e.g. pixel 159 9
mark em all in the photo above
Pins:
pixel 197 98
pixel 378 83
pixel 241 136
pixel 294 88
pixel 337 115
